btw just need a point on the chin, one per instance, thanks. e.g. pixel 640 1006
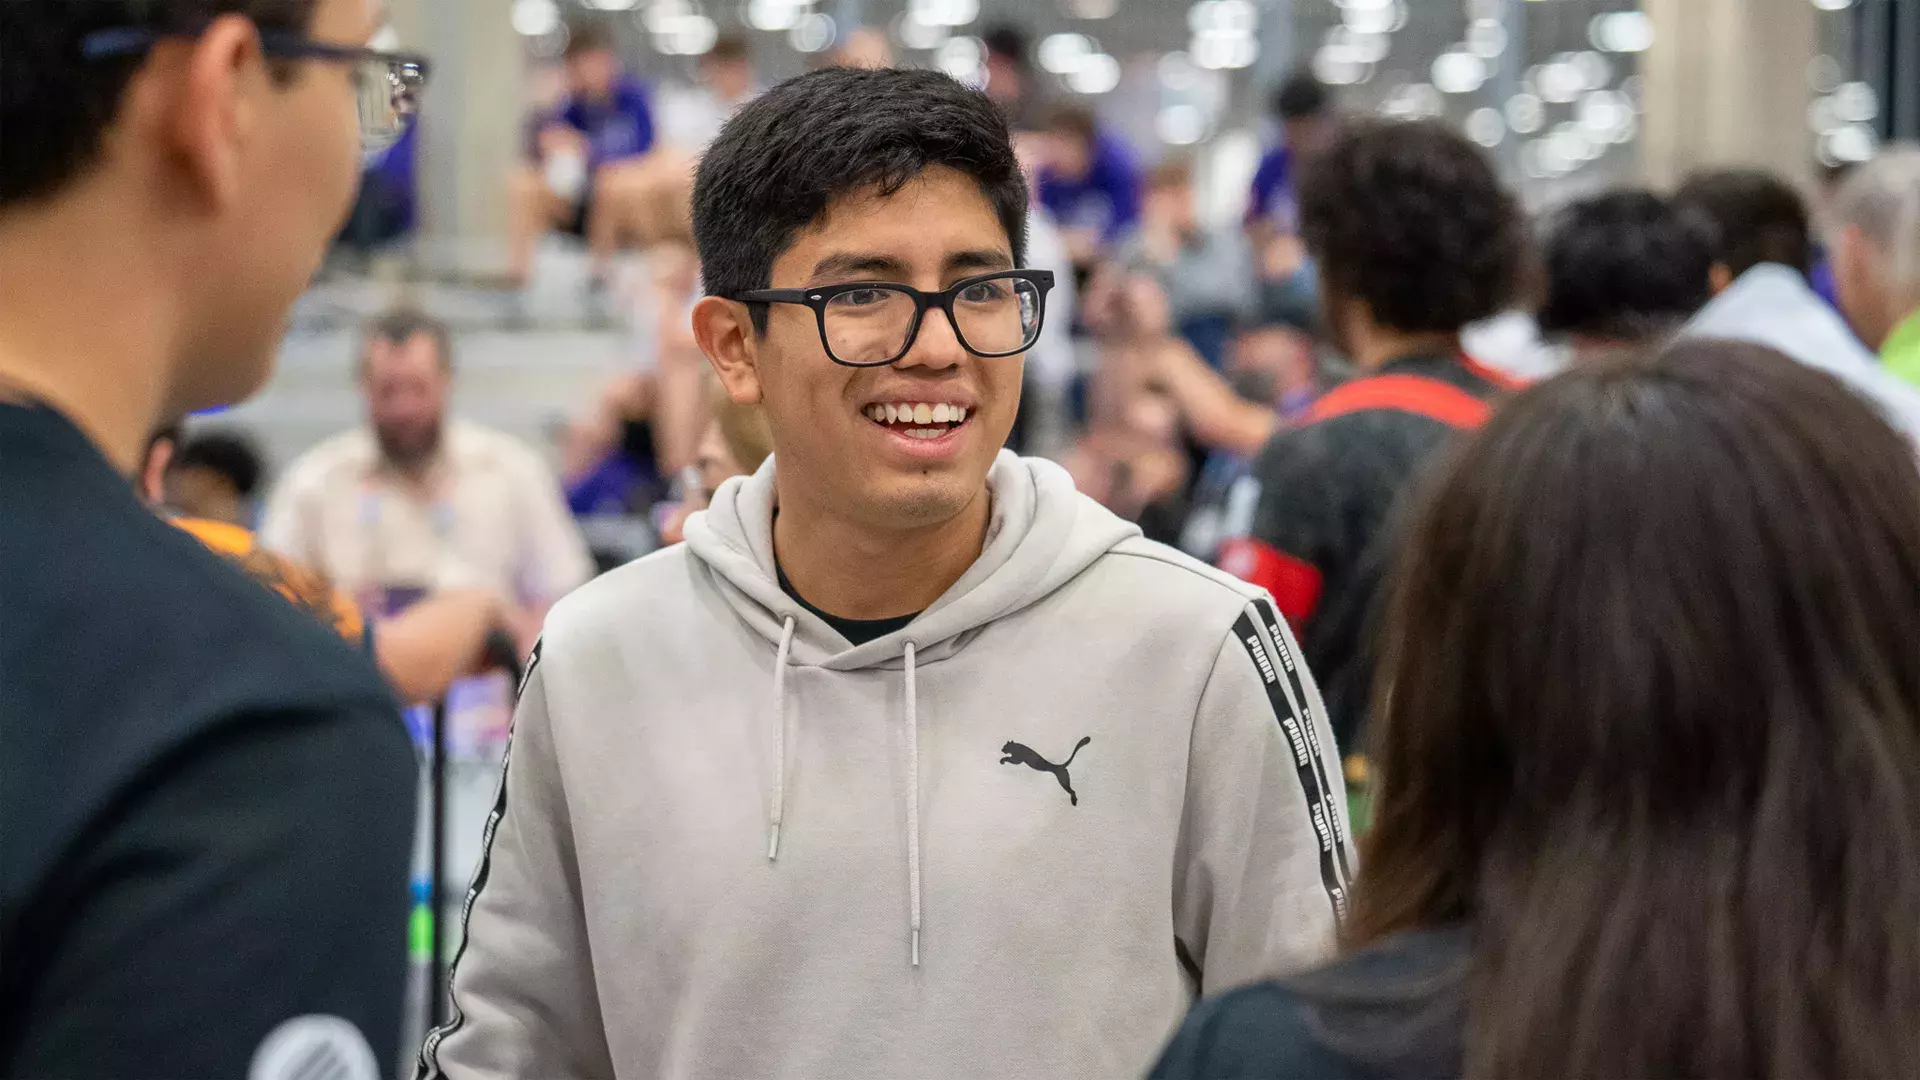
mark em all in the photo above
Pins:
pixel 914 501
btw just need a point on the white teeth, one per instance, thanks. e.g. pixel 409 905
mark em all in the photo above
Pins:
pixel 923 413
pixel 924 433
pixel 877 414
pixel 943 414
pixel 886 413
pixel 959 414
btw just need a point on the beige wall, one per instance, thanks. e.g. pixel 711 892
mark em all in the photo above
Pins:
pixel 472 127
pixel 1726 84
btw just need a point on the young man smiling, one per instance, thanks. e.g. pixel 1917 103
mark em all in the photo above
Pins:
pixel 911 762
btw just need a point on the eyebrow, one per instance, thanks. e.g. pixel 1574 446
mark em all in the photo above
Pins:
pixel 890 268
pixel 859 264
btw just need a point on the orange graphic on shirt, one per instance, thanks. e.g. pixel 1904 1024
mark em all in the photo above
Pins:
pixel 301 586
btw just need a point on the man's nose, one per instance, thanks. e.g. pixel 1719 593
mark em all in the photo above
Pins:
pixel 937 345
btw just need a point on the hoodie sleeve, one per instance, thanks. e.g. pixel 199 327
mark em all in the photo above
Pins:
pixel 522 995
pixel 1260 881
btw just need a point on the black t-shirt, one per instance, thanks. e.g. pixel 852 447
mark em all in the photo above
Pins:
pixel 1395 1010
pixel 207 798
pixel 856 631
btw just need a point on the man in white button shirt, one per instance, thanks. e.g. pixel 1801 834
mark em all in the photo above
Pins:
pixel 417 502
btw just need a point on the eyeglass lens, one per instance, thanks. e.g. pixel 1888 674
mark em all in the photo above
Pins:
pixel 389 96
pixel 871 325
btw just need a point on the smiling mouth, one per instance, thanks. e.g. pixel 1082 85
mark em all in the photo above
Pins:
pixel 918 420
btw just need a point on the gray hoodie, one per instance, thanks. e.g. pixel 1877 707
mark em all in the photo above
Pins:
pixel 1010 840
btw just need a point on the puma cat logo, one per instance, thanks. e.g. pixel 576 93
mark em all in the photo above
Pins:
pixel 1020 754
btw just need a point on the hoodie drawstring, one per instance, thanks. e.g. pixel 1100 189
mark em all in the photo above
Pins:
pixel 913 777
pixel 779 739
pixel 913 809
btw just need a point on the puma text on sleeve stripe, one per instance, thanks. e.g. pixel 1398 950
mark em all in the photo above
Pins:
pixel 1295 725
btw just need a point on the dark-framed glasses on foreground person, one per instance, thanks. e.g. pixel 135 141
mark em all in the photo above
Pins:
pixel 387 84
pixel 874 323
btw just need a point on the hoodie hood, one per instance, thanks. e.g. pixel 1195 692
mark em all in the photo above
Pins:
pixel 1041 533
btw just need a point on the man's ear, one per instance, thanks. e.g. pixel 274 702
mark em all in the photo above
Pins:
pixel 1719 276
pixel 725 332
pixel 153 473
pixel 215 106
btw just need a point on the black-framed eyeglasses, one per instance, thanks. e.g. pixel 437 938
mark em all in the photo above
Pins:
pixel 874 323
pixel 387 84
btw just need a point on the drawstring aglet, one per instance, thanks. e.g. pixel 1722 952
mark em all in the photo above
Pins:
pixel 916 948
pixel 773 842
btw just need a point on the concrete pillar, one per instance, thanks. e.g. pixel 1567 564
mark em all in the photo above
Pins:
pixel 471 128
pixel 1725 84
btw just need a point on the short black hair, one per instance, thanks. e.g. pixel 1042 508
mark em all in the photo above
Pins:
pixel 1410 218
pixel 1006 40
pixel 1753 216
pixel 1301 96
pixel 1624 265
pixel 401 324
pixel 226 453
pixel 786 155
pixel 55 103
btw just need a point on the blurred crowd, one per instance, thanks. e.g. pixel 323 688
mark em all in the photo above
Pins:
pixel 1240 388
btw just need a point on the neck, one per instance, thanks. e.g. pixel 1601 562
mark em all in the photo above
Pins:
pixel 108 374
pixel 1380 346
pixel 856 572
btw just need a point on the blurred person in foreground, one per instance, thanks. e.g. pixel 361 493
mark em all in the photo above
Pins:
pixel 1876 256
pixel 1763 251
pixel 1089 181
pixel 417 502
pixel 1395 302
pixel 1625 270
pixel 1648 795
pixel 602 125
pixel 956 776
pixel 422 651
pixel 208 797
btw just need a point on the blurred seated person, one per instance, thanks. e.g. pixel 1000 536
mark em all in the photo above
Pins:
pixel 1647 752
pixel 418 502
pixel 214 475
pixel 690 117
pixel 736 441
pixel 1762 253
pixel 1206 274
pixel 1625 270
pixel 1877 256
pixel 622 456
pixel 1011 81
pixel 1307 118
pixel 1130 458
pixel 1089 182
pixel 602 124
pixel 421 651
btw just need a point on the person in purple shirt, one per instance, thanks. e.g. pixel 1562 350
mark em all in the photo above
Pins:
pixel 1090 183
pixel 601 127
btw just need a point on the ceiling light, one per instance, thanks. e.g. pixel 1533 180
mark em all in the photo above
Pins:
pixel 1486 38
pixel 1525 113
pixel 1621 32
pixel 774 15
pixel 1458 72
pixel 1097 74
pixel 535 17
pixel 1063 53
pixel 1180 125
pixel 1486 127
pixel 813 33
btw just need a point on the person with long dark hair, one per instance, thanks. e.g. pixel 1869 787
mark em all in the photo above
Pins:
pixel 1647 751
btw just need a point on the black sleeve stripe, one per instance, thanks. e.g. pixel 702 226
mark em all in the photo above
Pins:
pixel 429 1066
pixel 1323 816
pixel 1291 664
